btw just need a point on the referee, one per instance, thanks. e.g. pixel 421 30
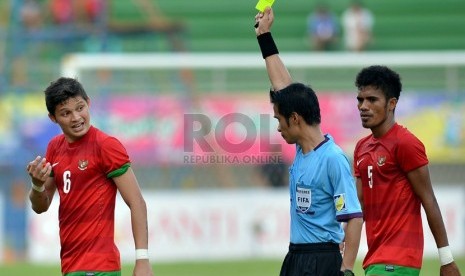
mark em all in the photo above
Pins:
pixel 323 196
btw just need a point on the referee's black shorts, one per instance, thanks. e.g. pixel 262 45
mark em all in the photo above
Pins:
pixel 312 259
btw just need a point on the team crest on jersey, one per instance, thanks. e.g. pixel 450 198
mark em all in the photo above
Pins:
pixel 82 164
pixel 340 202
pixel 381 160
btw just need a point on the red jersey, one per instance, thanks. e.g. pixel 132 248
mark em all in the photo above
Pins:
pixel 391 208
pixel 83 173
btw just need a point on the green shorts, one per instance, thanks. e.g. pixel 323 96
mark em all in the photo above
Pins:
pixel 391 270
pixel 94 273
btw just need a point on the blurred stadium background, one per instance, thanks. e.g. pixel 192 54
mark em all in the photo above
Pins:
pixel 205 207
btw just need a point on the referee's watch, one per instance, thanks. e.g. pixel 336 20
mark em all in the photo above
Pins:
pixel 348 272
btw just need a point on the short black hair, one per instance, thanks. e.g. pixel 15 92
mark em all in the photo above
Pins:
pixel 62 89
pixel 380 77
pixel 298 98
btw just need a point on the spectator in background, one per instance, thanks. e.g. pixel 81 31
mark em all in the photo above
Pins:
pixel 31 15
pixel 322 28
pixel 30 20
pixel 89 25
pixel 275 172
pixel 94 16
pixel 357 23
pixel 92 21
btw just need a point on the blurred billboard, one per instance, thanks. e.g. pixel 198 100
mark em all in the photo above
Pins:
pixel 225 129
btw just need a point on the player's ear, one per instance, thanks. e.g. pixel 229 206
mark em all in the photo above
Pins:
pixel 52 118
pixel 294 118
pixel 392 103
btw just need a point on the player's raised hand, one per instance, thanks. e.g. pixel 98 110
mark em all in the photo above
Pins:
pixel 263 21
pixel 39 169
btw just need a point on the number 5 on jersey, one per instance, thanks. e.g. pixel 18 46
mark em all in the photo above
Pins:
pixel 370 176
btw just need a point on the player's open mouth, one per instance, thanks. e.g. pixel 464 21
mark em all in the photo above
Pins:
pixel 78 126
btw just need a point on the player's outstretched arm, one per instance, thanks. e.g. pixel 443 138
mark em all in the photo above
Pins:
pixel 277 72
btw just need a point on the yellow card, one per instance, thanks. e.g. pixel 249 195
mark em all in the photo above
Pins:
pixel 262 4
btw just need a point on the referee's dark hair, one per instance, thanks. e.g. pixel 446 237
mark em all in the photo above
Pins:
pixel 298 98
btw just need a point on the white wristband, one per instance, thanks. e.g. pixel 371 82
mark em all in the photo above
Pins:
pixel 445 255
pixel 37 188
pixel 142 254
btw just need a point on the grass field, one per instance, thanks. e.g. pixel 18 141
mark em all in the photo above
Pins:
pixel 229 268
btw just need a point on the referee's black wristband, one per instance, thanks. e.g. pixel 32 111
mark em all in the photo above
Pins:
pixel 267 45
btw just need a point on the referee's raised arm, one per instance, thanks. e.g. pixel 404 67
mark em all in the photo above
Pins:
pixel 277 72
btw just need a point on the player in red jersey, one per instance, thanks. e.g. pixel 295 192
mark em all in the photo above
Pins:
pixel 393 183
pixel 87 167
